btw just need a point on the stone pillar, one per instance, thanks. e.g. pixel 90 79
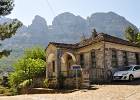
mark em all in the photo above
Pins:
pixel 108 57
pixel 100 58
pixel 87 60
pixel 58 62
pixel 77 59
pixel 131 58
pixel 120 58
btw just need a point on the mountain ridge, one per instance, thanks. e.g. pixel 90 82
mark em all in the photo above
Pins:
pixel 66 27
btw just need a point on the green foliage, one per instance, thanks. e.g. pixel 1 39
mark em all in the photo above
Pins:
pixel 5 53
pixel 131 34
pixel 13 91
pixel 94 33
pixel 30 66
pixel 35 53
pixel 138 38
pixel 26 83
pixel 6 6
pixel 7 29
pixel 61 80
pixel 46 83
pixel 8 91
pixel 16 78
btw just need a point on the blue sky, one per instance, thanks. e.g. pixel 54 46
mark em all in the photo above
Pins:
pixel 25 10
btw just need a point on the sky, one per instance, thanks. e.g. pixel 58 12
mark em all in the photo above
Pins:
pixel 25 10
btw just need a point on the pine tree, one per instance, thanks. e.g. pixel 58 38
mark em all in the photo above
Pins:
pixel 6 6
pixel 7 29
pixel 94 33
pixel 131 34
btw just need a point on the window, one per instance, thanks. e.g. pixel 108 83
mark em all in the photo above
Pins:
pixel 137 58
pixel 114 58
pixel 82 60
pixel 137 67
pixel 125 59
pixel 93 59
pixel 53 65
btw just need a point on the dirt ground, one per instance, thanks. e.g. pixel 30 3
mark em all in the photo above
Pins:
pixel 116 91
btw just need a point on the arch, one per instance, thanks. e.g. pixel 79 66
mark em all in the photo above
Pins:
pixel 50 57
pixel 70 54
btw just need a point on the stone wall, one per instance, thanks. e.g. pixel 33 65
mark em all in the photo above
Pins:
pixel 120 58
pixel 108 57
pixel 87 60
pixel 131 58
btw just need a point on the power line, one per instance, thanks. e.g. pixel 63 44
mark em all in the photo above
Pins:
pixel 49 5
pixel 58 22
pixel 54 15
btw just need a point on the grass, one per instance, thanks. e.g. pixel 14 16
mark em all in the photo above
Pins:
pixel 7 91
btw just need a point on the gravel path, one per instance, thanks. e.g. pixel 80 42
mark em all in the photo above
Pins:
pixel 99 92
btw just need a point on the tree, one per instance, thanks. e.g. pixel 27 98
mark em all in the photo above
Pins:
pixel 94 33
pixel 131 34
pixel 138 38
pixel 7 29
pixel 32 65
pixel 6 6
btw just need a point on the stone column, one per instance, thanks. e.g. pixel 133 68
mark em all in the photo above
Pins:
pixel 108 57
pixel 131 58
pixel 58 62
pixel 120 58
pixel 100 58
pixel 87 60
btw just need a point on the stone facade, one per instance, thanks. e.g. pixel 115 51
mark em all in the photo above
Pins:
pixel 66 55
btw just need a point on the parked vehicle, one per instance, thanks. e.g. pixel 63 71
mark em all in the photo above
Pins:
pixel 127 73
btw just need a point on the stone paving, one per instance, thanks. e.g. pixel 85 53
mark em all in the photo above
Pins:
pixel 117 91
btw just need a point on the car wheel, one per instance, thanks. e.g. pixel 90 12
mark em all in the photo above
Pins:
pixel 131 77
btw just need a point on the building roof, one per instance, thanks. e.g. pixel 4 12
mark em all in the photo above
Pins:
pixel 89 41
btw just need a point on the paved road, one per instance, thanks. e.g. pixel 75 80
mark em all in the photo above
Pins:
pixel 114 91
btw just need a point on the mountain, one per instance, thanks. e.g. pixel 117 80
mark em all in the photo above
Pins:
pixel 66 27
pixel 110 23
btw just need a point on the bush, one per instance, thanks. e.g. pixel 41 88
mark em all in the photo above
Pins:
pixel 61 80
pixel 25 84
pixel 13 91
pixel 16 78
pixel 2 90
pixel 8 92
pixel 46 83
pixel 0 80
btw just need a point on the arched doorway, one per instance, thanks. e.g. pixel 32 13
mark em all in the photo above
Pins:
pixel 51 65
pixel 67 60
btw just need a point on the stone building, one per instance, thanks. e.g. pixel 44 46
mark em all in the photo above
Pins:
pixel 96 54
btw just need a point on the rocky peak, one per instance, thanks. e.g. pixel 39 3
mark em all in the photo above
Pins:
pixel 39 25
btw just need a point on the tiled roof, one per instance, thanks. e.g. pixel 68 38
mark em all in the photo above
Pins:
pixel 100 37
pixel 63 45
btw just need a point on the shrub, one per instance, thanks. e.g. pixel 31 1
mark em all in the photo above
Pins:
pixel 2 90
pixel 13 91
pixel 46 83
pixel 61 80
pixel 8 92
pixel 0 80
pixel 25 84
pixel 16 78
